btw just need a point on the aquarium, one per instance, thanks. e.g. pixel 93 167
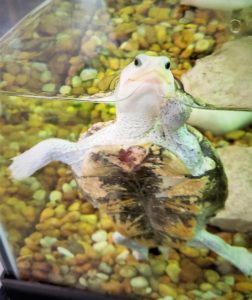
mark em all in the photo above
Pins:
pixel 64 74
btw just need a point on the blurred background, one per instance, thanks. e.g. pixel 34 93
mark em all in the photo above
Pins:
pixel 11 11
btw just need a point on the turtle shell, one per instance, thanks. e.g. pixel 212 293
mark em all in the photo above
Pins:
pixel 149 193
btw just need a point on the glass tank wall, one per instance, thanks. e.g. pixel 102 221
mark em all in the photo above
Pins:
pixel 64 51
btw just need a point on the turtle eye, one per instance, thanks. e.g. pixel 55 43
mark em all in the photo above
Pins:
pixel 167 65
pixel 137 62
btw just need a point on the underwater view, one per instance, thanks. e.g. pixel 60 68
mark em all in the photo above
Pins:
pixel 126 148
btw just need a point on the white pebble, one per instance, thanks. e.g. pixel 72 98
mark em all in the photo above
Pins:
pixel 139 282
pixel 83 281
pixel 108 249
pixel 47 241
pixel 100 246
pixel 99 235
pixel 102 276
pixel 65 252
pixel 122 256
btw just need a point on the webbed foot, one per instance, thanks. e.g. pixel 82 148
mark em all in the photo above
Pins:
pixel 238 256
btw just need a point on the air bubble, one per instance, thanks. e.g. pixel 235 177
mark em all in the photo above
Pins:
pixel 235 26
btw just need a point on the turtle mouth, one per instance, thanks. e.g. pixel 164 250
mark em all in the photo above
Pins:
pixel 156 79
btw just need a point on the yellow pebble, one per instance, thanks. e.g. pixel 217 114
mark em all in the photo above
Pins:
pixel 60 211
pixel 75 206
pixel 235 135
pixel 90 219
pixel 155 47
pixel 161 33
pixel 72 216
pixel 92 90
pixel 114 63
pixel 188 51
pixel 166 290
pixel 190 252
pixel 106 222
pixel 245 287
pixel 159 13
pixel 46 214
pixel 203 45
pixel 25 252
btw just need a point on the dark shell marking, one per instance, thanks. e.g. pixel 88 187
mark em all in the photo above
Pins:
pixel 149 193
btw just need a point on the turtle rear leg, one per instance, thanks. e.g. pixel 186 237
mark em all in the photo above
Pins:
pixel 42 154
pixel 138 251
pixel 238 256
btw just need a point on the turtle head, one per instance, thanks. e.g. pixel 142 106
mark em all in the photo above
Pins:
pixel 144 83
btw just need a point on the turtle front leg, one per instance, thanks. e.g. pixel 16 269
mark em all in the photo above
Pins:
pixel 42 154
pixel 138 251
pixel 238 256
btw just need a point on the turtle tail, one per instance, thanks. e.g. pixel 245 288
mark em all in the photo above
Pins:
pixel 238 256
pixel 40 155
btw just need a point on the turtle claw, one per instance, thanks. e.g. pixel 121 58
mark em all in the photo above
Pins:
pixel 138 251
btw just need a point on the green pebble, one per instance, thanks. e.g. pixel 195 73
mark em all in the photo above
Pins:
pixel 223 286
pixel 46 76
pixel 66 187
pixel 49 88
pixel 209 295
pixel 88 74
pixel 173 270
pixel 39 195
pixel 158 267
pixel 230 280
pixel 212 276
pixel 182 297
pixel 41 67
pixel 14 146
pixel 144 269
pixel 128 271
pixel 205 286
pixel 65 90
pixel 76 81
pixel 139 282
pixel 105 268
pixel 43 134
pixel 73 183
pixel 55 196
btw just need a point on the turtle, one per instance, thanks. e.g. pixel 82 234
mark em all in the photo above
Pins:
pixel 157 177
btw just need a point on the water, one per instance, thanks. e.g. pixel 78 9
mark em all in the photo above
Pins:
pixel 50 226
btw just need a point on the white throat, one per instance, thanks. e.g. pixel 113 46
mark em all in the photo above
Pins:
pixel 137 115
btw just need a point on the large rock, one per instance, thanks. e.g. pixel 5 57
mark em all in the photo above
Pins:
pixel 237 215
pixel 222 79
